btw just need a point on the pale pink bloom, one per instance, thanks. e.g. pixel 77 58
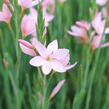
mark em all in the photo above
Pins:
pixel 48 8
pixel 27 47
pixel 34 15
pixel 5 14
pixel 48 5
pixel 50 57
pixel 104 12
pixel 47 18
pixel 83 24
pixel 28 25
pixel 78 32
pixel 28 3
pixel 98 24
pixel 57 89
pixel 97 43
pixel 101 2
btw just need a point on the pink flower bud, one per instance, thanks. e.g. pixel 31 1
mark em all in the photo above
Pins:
pixel 57 89
pixel 5 14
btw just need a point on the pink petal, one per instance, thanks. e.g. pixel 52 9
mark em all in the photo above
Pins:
pixel 78 31
pixel 101 2
pixel 35 2
pixel 39 47
pixel 53 46
pixel 71 66
pixel 105 45
pixel 33 14
pixel 57 66
pixel 96 42
pixel 25 3
pixel 28 25
pixel 27 50
pixel 57 88
pixel 65 60
pixel 25 43
pixel 5 15
pixel 37 61
pixel 98 24
pixel 46 68
pixel 60 54
pixel 83 24
pixel 47 18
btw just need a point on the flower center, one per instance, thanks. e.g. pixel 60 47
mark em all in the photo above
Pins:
pixel 49 58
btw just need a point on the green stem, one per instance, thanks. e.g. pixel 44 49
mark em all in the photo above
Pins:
pixel 44 94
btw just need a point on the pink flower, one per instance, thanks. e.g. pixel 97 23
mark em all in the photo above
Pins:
pixel 97 43
pixel 57 89
pixel 51 58
pixel 83 24
pixel 104 12
pixel 101 2
pixel 28 25
pixel 27 47
pixel 48 6
pixel 5 14
pixel 28 3
pixel 47 18
pixel 78 32
pixel 98 24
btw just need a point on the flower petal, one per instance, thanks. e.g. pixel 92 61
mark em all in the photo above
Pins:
pixel 35 2
pixel 71 66
pixel 27 50
pixel 39 47
pixel 60 54
pixel 25 43
pixel 37 61
pixel 57 66
pixel 53 46
pixel 46 68
pixel 57 88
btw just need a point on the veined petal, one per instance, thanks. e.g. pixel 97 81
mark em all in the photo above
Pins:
pixel 65 60
pixel 25 43
pixel 27 50
pixel 60 54
pixel 25 3
pixel 39 47
pixel 37 61
pixel 46 68
pixel 53 46
pixel 57 66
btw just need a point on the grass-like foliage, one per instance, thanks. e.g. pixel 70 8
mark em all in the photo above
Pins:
pixel 54 54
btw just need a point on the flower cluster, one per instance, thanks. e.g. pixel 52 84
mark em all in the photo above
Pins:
pixel 82 29
pixel 50 58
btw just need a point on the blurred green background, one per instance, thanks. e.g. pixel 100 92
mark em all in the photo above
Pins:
pixel 87 84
